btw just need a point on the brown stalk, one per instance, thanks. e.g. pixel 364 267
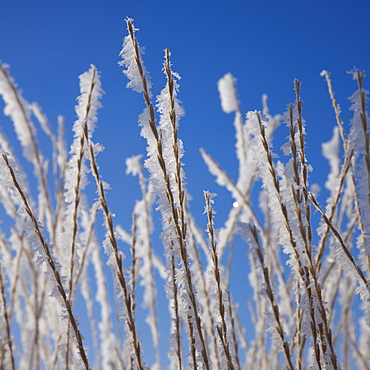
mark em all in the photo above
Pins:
pixel 360 356
pixel 76 204
pixel 233 333
pixel 303 272
pixel 77 197
pixel 38 165
pixel 176 307
pixel 307 235
pixel 90 234
pixel 134 261
pixel 51 264
pixel 222 330
pixel 336 109
pixel 270 295
pixel 61 153
pixel 341 242
pixel 363 115
pixel 147 206
pixel 234 187
pixel 177 213
pixel 207 309
pixel 301 338
pixel 324 328
pixel 9 341
pixel 130 319
pixel 302 158
pixel 347 165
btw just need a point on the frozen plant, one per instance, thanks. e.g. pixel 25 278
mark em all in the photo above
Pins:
pixel 308 281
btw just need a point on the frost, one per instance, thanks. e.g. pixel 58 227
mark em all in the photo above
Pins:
pixel 128 55
pixel 228 96
pixel 330 151
pixel 18 109
pixel 133 165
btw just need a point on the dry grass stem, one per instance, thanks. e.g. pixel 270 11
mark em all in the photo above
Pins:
pixel 51 264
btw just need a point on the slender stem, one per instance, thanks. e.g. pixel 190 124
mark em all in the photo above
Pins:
pixel 51 264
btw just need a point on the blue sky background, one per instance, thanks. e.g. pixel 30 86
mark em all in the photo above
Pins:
pixel 264 44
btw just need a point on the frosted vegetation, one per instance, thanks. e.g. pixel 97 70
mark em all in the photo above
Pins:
pixel 309 281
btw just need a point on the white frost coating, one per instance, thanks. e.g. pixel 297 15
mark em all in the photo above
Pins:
pixel 228 96
pixel 358 139
pixel 26 224
pixel 166 130
pixel 9 201
pixel 132 73
pixel 89 101
pixel 37 112
pixel 240 145
pixel 133 165
pixel 226 232
pixel 107 338
pixel 222 178
pixel 18 110
pixel 144 250
pixel 77 168
pixel 87 108
pixel 330 151
pixel 265 108
pixel 123 235
pixel 273 199
pixel 168 140
pixel 260 286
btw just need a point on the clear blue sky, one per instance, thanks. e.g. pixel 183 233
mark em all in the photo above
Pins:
pixel 264 44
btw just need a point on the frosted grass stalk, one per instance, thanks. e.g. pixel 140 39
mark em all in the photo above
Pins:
pixel 223 179
pixel 228 94
pixel 4 313
pixel 6 197
pixel 111 249
pixel 206 304
pixel 230 103
pixel 302 231
pixel 169 105
pixel 360 142
pixel 144 250
pixel 251 234
pixel 304 168
pixel 108 340
pixel 302 267
pixel 336 107
pixel 223 329
pixel 42 251
pixel 240 190
pixel 346 258
pixel 18 109
pixel 76 179
pixel 38 113
pixel 256 354
pixel 165 174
